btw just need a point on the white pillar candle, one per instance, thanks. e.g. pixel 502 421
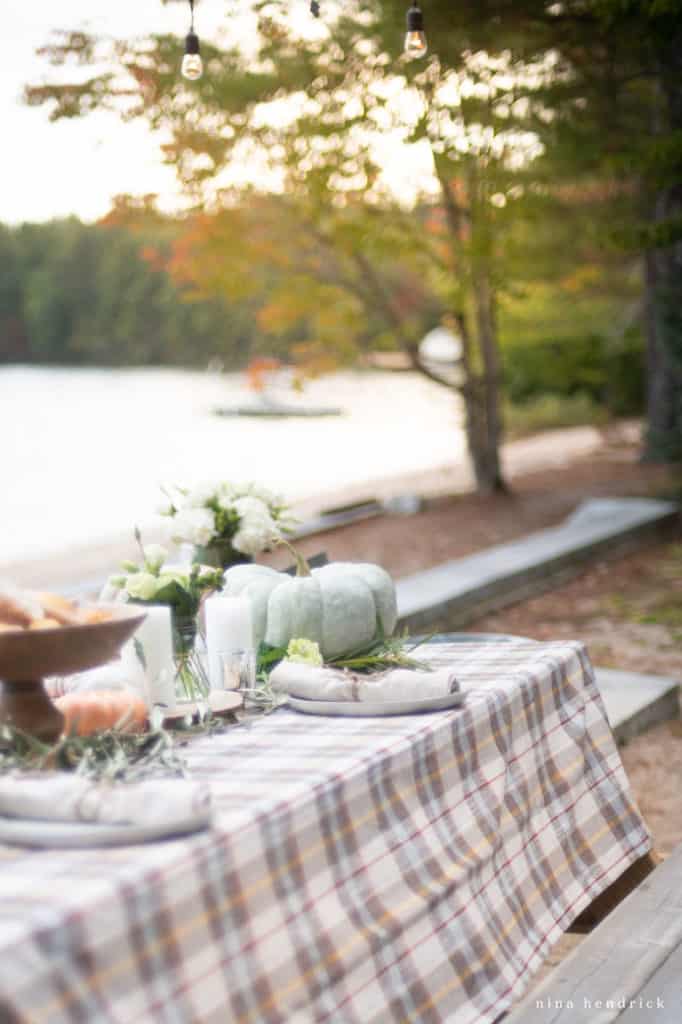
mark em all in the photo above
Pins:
pixel 228 628
pixel 155 640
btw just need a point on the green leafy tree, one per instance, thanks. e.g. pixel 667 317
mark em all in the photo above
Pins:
pixel 521 104
pixel 13 339
pixel 343 92
pixel 100 294
pixel 616 125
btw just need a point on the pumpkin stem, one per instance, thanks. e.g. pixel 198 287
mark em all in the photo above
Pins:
pixel 302 567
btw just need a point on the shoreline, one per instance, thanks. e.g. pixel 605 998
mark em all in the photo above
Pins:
pixel 85 567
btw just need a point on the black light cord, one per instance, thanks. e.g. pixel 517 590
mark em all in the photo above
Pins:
pixel 191 12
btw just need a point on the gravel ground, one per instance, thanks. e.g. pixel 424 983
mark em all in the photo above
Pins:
pixel 457 525
pixel 628 612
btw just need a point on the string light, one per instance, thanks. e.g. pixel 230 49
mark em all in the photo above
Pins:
pixel 192 64
pixel 416 45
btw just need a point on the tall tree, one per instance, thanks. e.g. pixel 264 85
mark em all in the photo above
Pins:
pixel 573 82
pixel 316 115
pixel 617 120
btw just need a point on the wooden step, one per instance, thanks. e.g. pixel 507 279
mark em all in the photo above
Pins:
pixel 455 593
pixel 629 967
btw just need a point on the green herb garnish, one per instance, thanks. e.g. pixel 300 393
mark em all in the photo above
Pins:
pixel 111 755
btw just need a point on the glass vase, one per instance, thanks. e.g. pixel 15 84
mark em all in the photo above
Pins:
pixel 219 555
pixel 191 675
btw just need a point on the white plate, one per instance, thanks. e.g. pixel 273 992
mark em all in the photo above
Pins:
pixel 67 834
pixel 372 709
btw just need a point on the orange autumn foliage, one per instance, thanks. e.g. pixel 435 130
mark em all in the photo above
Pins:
pixel 257 372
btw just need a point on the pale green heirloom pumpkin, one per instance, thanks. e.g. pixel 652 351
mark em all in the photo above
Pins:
pixel 343 607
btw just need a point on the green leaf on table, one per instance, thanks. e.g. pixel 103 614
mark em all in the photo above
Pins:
pixel 267 657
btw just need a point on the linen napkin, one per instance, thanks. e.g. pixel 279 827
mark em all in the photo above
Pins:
pixel 319 683
pixel 72 798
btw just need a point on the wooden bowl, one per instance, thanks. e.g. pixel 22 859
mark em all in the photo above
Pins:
pixel 27 656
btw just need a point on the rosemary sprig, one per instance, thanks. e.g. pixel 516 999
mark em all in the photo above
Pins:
pixel 387 652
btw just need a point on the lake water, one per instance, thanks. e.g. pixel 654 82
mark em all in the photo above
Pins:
pixel 83 452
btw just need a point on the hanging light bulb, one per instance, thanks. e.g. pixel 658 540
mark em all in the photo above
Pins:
pixel 192 64
pixel 415 41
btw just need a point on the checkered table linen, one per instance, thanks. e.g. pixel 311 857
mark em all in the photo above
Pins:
pixel 361 870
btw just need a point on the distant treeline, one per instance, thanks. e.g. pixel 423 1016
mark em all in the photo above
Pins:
pixel 100 295
pixel 79 294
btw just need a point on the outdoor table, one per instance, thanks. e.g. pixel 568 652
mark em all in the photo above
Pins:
pixel 416 868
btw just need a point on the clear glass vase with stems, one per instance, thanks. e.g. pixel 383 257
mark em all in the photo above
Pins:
pixel 191 669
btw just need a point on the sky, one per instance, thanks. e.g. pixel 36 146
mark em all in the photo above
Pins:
pixel 75 167
pixel 54 169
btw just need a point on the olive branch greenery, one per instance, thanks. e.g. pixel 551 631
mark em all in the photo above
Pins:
pixel 113 756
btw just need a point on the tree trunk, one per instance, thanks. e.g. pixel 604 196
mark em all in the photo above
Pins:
pixel 664 280
pixel 664 354
pixel 484 460
pixel 489 474
pixel 482 388
pixel 481 394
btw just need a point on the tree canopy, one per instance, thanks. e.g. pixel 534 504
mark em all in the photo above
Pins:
pixel 543 140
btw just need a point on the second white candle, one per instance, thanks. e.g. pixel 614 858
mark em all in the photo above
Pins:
pixel 229 627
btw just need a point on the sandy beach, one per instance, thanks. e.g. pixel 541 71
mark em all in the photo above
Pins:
pixel 454 521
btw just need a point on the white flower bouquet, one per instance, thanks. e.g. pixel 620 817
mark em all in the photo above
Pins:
pixel 226 522
pixel 152 582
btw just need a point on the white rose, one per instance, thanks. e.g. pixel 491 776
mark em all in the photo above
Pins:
pixel 251 508
pixel 250 540
pixel 254 536
pixel 226 501
pixel 142 586
pixel 195 526
pixel 200 495
pixel 227 491
pixel 173 576
pixel 154 557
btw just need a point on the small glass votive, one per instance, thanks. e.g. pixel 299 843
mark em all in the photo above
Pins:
pixel 237 669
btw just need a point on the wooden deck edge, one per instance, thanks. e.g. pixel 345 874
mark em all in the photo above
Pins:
pixel 447 614
pixel 616 961
pixel 662 709
pixel 611 897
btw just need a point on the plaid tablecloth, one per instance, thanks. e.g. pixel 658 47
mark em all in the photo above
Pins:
pixel 361 870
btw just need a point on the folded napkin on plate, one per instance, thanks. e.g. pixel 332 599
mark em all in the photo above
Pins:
pixel 71 798
pixel 319 683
